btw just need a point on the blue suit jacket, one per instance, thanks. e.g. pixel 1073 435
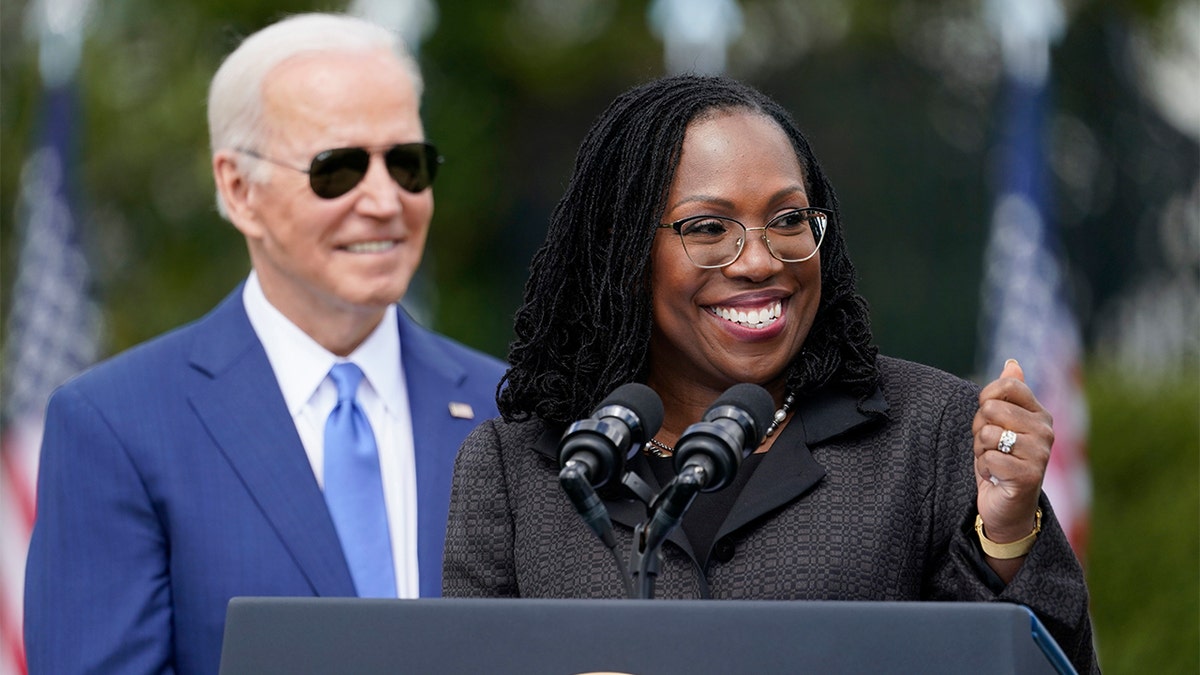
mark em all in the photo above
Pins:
pixel 172 479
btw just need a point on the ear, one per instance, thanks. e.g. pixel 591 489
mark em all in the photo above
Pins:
pixel 236 190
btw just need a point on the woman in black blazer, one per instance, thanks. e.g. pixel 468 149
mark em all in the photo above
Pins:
pixel 698 246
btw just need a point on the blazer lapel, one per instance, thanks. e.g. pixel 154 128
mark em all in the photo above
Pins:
pixel 245 413
pixel 433 379
pixel 785 473
pixel 789 469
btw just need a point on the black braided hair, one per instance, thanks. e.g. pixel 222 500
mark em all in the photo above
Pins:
pixel 584 327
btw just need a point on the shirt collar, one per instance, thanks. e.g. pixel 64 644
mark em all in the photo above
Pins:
pixel 379 358
pixel 832 412
pixel 301 364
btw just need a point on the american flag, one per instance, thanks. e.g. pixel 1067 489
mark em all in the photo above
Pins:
pixel 1026 315
pixel 53 331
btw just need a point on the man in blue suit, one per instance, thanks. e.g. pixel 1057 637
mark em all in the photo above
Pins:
pixel 207 463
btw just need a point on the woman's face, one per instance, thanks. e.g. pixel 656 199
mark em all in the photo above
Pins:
pixel 740 165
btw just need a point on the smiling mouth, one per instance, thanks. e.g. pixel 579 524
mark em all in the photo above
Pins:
pixel 756 318
pixel 370 246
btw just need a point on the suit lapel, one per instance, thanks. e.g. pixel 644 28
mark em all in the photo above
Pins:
pixel 433 380
pixel 245 413
pixel 785 473
pixel 789 470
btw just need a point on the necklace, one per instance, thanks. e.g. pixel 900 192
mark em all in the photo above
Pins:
pixel 659 449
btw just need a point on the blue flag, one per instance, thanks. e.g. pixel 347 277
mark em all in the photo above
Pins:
pixel 1026 315
pixel 53 332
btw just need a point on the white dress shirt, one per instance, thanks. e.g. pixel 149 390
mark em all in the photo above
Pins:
pixel 302 368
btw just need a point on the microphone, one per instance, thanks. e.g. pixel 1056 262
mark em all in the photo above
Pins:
pixel 617 429
pixel 731 428
pixel 594 450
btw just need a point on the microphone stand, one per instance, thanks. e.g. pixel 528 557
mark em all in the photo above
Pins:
pixel 574 481
pixel 666 512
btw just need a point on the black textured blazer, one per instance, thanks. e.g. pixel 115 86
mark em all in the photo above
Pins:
pixel 846 506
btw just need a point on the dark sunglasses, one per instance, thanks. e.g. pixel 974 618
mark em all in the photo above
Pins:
pixel 333 173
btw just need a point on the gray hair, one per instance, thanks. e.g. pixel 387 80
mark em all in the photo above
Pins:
pixel 235 104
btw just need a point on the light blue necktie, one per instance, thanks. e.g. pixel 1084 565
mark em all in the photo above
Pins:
pixel 354 489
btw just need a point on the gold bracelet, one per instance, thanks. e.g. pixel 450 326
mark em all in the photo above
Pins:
pixel 1014 549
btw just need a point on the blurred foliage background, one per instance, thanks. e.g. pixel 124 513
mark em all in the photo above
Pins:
pixel 900 101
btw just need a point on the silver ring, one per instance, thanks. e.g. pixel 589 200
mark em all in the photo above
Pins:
pixel 1007 440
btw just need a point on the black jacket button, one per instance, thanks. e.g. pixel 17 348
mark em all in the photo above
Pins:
pixel 723 551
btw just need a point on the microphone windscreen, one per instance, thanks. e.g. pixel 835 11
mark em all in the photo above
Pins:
pixel 753 399
pixel 642 400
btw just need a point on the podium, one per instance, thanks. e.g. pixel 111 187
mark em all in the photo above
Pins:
pixel 640 637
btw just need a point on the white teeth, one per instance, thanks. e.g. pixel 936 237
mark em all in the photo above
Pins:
pixel 371 246
pixel 755 318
